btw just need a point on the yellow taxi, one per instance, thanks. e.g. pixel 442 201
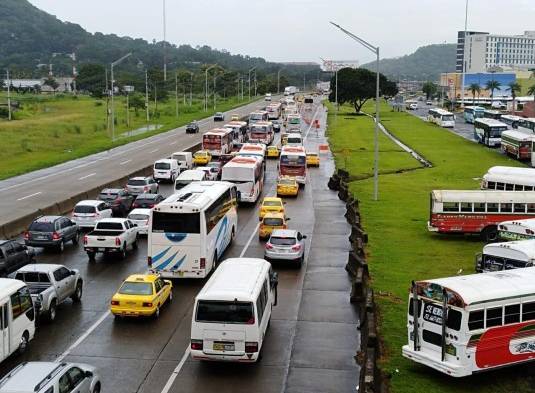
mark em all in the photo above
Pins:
pixel 313 158
pixel 141 295
pixel 287 186
pixel 271 205
pixel 202 157
pixel 272 152
pixel 270 222
pixel 235 117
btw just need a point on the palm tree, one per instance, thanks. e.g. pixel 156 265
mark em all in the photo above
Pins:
pixel 531 90
pixel 474 88
pixel 492 85
pixel 514 87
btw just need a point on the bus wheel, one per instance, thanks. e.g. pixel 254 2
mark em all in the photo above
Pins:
pixel 490 234
pixel 232 236
pixel 24 341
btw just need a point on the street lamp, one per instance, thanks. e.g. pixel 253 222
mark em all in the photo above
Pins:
pixel 279 81
pixel 112 91
pixel 374 49
pixel 206 87
pixel 464 52
pixel 164 43
pixel 249 74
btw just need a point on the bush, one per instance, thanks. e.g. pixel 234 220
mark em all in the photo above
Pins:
pixel 77 129
pixel 25 145
pixel 99 103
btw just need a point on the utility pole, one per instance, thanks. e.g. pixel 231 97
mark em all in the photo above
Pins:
pixel 279 81
pixel 176 93
pixel 336 88
pixel 215 76
pixel 191 90
pixel 147 97
pixel 107 105
pixel 112 88
pixel 464 52
pixel 127 111
pixel 304 82
pixel 164 44
pixel 255 84
pixel 206 87
pixel 8 96
pixel 249 79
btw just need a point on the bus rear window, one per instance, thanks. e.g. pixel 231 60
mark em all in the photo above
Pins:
pixel 176 223
pixel 225 312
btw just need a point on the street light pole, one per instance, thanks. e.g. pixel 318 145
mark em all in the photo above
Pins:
pixel 112 94
pixel 164 44
pixel 464 52
pixel 336 88
pixel 8 96
pixel 147 97
pixel 279 81
pixel 215 76
pixel 249 76
pixel 176 93
pixel 374 49
pixel 206 87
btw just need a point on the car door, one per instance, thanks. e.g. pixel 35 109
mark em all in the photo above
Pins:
pixel 78 381
pixel 64 285
pixel 130 232
pixel 20 257
pixel 105 210
pixel 4 329
pixel 65 229
pixel 159 290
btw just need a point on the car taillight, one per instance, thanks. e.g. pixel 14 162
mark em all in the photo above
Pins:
pixel 117 241
pixel 114 303
pixel 55 236
pixel 149 261
pixel 26 235
pixel 269 246
pixel 85 240
pixel 135 205
pixel 117 201
pixel 196 345
pixel 284 227
pixel 251 347
pixel 251 321
pixel 147 304
pixel 202 264
pixel 297 247
pixel 146 188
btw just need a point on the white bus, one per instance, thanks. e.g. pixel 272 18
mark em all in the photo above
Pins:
pixel 517 144
pixel 190 230
pixel 274 111
pixel 471 113
pixel 506 178
pixel 218 141
pixel 489 131
pixel 506 256
pixel 467 324
pixel 261 132
pixel 17 317
pixel 492 114
pixel 441 117
pixel 517 229
pixel 247 173
pixel 293 123
pixel 293 162
pixel 257 116
pixel 527 123
pixel 511 120
pixel 239 130
pixel 232 311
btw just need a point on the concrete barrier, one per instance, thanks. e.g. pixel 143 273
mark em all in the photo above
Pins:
pixel 16 227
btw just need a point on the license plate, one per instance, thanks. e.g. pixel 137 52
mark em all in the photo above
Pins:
pixel 223 347
pixel 131 303
pixel 101 249
pixel 41 237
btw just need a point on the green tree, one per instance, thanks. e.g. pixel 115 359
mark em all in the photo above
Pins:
pixel 137 101
pixel 430 89
pixel 474 89
pixel 514 88
pixel 92 78
pixel 491 86
pixel 531 90
pixel 52 83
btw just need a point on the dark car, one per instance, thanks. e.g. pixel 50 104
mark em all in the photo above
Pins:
pixel 219 116
pixel 119 200
pixel 215 168
pixel 224 158
pixel 277 125
pixel 147 201
pixel 52 232
pixel 13 256
pixel 192 128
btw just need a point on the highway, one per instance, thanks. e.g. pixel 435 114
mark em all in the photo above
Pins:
pixel 313 337
pixel 25 194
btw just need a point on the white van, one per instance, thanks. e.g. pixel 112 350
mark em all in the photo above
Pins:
pixel 184 159
pixel 294 139
pixel 18 317
pixel 189 176
pixel 166 169
pixel 232 311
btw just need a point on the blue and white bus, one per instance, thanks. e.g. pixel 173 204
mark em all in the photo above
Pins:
pixel 489 131
pixel 471 113
pixel 190 230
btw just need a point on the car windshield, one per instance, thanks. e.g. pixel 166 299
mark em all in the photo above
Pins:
pixel 138 217
pixel 146 197
pixel 272 203
pixel 274 222
pixel 287 182
pixel 41 226
pixel 200 154
pixel 136 288
pixel 227 312
pixel 84 209
pixel 137 182
pixel 282 241
pixel 162 165
pixel 108 196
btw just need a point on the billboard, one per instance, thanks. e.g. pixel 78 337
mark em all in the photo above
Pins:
pixel 481 78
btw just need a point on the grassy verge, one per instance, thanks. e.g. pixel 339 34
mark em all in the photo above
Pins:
pixel 400 247
pixel 50 130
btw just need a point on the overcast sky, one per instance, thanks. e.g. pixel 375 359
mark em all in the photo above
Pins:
pixel 297 30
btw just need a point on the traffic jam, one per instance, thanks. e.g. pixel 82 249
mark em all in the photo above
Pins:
pixel 183 218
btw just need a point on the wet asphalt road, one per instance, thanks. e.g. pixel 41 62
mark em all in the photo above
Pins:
pixel 462 128
pixel 311 341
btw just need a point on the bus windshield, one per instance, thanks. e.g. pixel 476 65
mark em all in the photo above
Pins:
pixel 496 132
pixel 176 222
pixel 293 160
pixel 226 312
pixel 447 118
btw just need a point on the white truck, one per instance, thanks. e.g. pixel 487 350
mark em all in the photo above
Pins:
pixel 50 285
pixel 290 90
pixel 111 235
pixel 166 169
pixel 184 159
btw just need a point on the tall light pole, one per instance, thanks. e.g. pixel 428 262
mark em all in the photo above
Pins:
pixel 374 49
pixel 464 51
pixel 147 97
pixel 164 43
pixel 206 87
pixel 249 76
pixel 176 92
pixel 279 81
pixel 304 81
pixel 191 89
pixel 336 87
pixel 8 95
pixel 112 94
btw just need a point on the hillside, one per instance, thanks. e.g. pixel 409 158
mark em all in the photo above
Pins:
pixel 425 64
pixel 35 36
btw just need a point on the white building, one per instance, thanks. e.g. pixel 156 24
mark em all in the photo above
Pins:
pixel 486 52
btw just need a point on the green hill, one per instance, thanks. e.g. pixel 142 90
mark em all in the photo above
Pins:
pixel 425 64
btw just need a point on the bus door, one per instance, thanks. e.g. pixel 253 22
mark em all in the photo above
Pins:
pixel 4 330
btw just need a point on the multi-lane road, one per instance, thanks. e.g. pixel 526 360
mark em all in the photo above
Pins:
pixel 313 337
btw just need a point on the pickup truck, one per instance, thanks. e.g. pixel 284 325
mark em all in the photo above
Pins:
pixel 111 235
pixel 50 285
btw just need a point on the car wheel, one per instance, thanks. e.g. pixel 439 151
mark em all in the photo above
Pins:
pixel 97 388
pixel 52 311
pixel 134 245
pixel 76 239
pixel 122 253
pixel 300 261
pixel 91 256
pixel 171 296
pixel 24 342
pixel 61 246
pixel 157 313
pixel 77 296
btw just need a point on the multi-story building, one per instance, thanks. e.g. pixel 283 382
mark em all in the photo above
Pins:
pixel 490 52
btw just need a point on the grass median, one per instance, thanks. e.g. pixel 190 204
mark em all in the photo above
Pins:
pixel 400 247
pixel 49 130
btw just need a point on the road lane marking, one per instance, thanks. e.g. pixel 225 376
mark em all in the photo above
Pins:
pixel 82 337
pixel 87 176
pixel 173 143
pixel 29 196
pixel 312 122
pixel 154 151
pixel 249 241
pixel 176 371
pixel 125 162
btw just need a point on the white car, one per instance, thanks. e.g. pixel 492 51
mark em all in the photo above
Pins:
pixel 140 217
pixel 166 170
pixel 184 159
pixel 51 377
pixel 268 97
pixel 139 185
pixel 211 172
pixel 87 213
pixel 287 245
pixel 111 235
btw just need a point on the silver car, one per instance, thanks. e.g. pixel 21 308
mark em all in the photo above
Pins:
pixel 287 245
pixel 51 377
pixel 142 185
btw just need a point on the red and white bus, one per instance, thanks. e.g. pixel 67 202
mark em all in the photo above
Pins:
pixel 293 162
pixel 478 211
pixel 517 144
pixel 261 132
pixel 464 325
pixel 248 176
pixel 274 110
pixel 505 178
pixel 239 130
pixel 218 141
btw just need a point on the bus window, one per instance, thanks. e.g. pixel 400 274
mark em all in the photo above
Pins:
pixel 411 306
pixel 454 319
pixel 528 188
pixel 479 207
pixel 506 207
pixel 466 207
pixel 494 316
pixel 491 185
pixel 520 207
pixel 500 186
pixel 512 313
pixel 519 187
pixel 492 207
pixel 528 311
pixel 531 207
pixel 450 206
pixel 509 187
pixel 475 320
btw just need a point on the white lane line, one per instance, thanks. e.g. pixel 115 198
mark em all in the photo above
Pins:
pixel 29 196
pixel 173 143
pixel 312 122
pixel 87 176
pixel 125 162
pixel 154 151
pixel 82 337
pixel 176 371
pixel 249 241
